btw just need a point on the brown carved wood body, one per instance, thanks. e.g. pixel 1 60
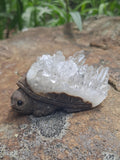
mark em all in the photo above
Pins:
pixel 25 101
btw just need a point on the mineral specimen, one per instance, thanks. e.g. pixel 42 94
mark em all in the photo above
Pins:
pixel 71 76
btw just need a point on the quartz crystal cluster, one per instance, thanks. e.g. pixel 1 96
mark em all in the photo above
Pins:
pixel 71 76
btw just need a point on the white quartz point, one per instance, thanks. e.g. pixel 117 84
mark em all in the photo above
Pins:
pixel 71 76
pixel 78 57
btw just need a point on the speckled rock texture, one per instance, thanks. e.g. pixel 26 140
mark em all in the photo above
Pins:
pixel 89 135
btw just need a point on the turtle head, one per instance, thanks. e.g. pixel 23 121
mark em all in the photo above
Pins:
pixel 21 102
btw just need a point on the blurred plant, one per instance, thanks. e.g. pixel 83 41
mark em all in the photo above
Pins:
pixel 48 14
pixel 103 7
pixel 10 16
pixel 2 15
pixel 20 14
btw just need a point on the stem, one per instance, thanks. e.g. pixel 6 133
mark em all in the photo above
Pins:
pixel 35 13
pixel 68 27
pixel 2 19
pixel 67 10
pixel 19 13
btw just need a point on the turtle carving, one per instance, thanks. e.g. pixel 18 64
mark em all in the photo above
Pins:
pixel 56 84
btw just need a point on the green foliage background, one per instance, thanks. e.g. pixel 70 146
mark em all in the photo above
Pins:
pixel 20 14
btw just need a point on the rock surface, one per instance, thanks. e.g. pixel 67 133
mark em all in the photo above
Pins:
pixel 90 135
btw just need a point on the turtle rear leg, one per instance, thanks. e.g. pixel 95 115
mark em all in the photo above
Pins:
pixel 79 109
pixel 44 110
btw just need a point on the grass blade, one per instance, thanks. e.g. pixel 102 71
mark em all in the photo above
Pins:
pixel 77 19
pixel 102 8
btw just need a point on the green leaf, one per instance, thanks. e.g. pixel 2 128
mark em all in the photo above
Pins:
pixel 83 5
pixel 27 16
pixel 61 3
pixel 53 22
pixel 77 19
pixel 43 10
pixel 56 10
pixel 93 11
pixel 102 8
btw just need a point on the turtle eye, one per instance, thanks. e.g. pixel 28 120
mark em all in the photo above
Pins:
pixel 19 102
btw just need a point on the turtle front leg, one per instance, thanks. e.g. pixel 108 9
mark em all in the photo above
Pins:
pixel 44 110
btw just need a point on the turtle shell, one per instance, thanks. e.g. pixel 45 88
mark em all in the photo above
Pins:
pixel 58 99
